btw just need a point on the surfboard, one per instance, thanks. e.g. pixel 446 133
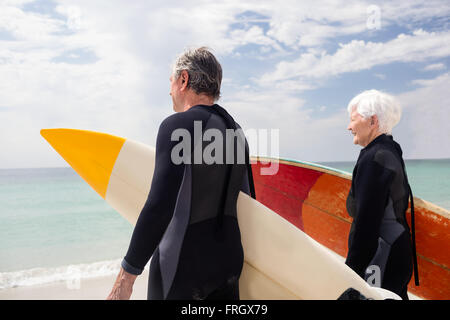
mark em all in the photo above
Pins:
pixel 281 261
pixel 313 198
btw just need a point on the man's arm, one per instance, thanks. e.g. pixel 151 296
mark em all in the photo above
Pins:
pixel 156 214
pixel 123 287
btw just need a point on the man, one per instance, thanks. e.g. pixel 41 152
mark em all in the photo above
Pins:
pixel 188 225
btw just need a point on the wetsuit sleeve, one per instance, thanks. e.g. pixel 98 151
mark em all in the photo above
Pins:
pixel 372 184
pixel 248 184
pixel 158 209
pixel 245 183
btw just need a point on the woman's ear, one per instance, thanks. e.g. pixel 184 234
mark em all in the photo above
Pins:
pixel 374 120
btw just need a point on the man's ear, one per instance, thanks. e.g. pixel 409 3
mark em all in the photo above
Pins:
pixel 184 79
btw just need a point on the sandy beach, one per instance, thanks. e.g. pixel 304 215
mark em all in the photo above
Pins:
pixel 85 289
pixel 90 288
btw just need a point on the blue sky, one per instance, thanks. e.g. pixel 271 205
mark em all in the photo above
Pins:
pixel 291 66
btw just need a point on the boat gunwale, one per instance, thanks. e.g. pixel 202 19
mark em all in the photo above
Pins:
pixel 418 202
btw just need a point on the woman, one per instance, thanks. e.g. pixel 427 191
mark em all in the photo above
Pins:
pixel 380 248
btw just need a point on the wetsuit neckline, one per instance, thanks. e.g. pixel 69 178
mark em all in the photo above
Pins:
pixel 384 139
pixel 204 106
pixel 381 138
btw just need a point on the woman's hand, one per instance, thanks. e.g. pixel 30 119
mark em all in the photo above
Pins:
pixel 123 287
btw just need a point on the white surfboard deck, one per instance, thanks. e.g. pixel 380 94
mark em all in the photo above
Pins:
pixel 281 261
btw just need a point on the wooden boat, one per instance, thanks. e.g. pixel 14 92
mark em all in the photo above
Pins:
pixel 313 198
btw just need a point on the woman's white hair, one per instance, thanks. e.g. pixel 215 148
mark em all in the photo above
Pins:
pixel 383 105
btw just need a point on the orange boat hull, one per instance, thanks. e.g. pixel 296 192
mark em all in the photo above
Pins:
pixel 313 198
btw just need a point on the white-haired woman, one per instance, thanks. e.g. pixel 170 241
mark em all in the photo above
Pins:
pixel 380 246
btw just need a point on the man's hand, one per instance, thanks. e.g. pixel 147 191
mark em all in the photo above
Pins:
pixel 123 287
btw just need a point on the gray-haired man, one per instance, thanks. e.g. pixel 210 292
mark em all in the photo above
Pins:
pixel 189 223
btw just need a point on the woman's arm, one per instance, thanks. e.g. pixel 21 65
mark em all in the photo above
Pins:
pixel 371 192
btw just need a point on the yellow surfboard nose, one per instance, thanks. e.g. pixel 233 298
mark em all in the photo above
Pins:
pixel 91 154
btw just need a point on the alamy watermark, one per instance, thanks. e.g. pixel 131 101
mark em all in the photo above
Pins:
pixel 373 275
pixel 373 21
pixel 266 141
pixel 73 282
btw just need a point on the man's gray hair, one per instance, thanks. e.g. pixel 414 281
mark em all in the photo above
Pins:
pixel 373 102
pixel 205 72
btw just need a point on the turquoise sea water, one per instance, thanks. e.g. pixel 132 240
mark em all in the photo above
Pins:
pixel 51 217
pixel 51 220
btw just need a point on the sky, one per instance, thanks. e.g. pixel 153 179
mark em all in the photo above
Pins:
pixel 288 66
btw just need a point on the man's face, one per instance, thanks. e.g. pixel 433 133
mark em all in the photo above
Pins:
pixel 174 93
pixel 360 128
pixel 178 89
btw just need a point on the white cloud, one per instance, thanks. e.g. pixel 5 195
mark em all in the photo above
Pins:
pixel 73 14
pixel 435 67
pixel 359 55
pixel 108 95
pixel 124 91
pixel 14 2
pixel 27 26
pixel 380 76
pixel 424 128
pixel 298 24
pixel 305 24
pixel 254 35
pixel 302 136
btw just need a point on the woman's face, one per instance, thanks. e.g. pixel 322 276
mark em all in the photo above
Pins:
pixel 361 128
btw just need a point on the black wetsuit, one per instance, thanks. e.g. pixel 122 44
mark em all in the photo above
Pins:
pixel 189 223
pixel 378 201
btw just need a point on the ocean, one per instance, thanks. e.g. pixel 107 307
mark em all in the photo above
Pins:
pixel 54 226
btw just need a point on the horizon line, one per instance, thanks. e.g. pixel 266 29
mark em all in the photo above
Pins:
pixel 318 162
